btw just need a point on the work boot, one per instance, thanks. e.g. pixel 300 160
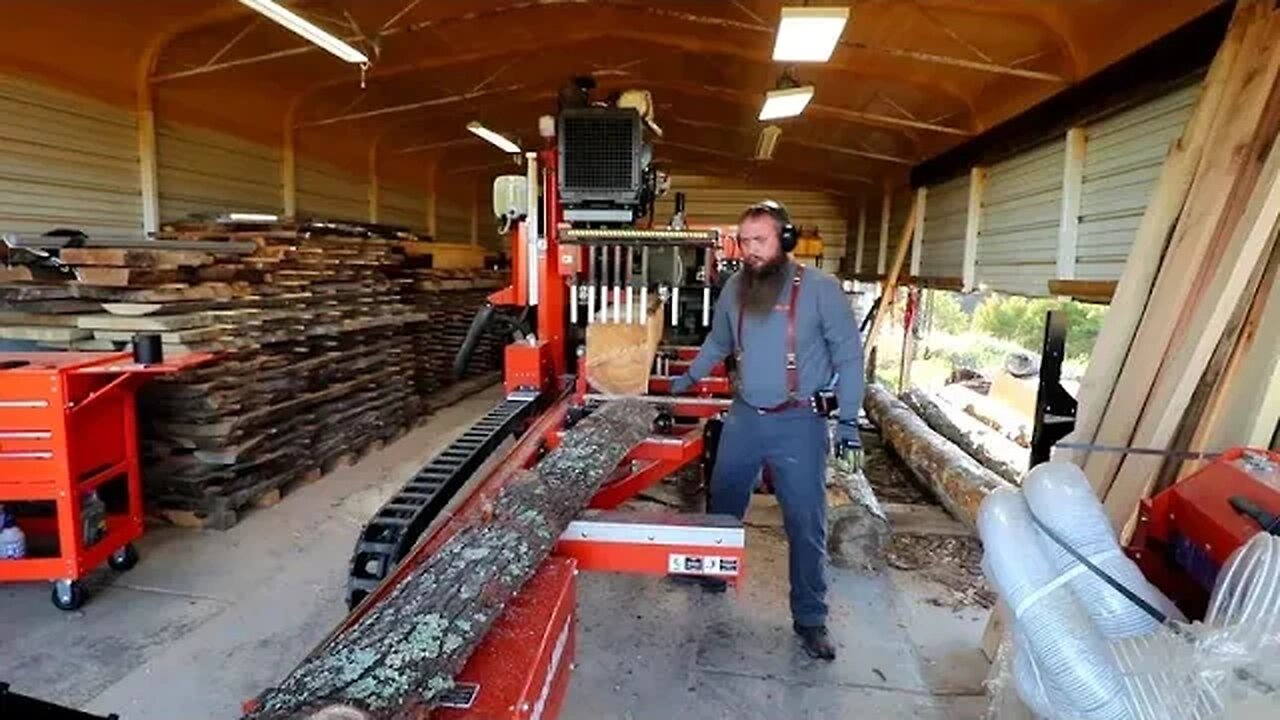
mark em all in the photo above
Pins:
pixel 816 641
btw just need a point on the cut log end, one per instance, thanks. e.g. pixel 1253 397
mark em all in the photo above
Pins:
pixel 858 531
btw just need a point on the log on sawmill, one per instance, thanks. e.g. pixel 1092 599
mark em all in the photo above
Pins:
pixel 958 480
pixel 406 650
pixel 620 355
pixel 857 528
pixel 993 450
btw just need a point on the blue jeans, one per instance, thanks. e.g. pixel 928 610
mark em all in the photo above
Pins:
pixel 793 444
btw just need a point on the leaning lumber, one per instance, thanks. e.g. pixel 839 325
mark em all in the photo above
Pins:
pixel 957 480
pixel 1130 298
pixel 890 291
pixel 407 649
pixel 993 450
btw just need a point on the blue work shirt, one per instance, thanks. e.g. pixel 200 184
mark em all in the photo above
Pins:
pixel 827 342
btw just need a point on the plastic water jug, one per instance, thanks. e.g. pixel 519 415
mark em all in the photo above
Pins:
pixel 13 543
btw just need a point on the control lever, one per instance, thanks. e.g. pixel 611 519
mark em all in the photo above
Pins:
pixel 1270 523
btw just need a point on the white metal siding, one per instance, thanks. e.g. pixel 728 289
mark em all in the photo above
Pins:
pixel 898 209
pixel 402 206
pixel 946 211
pixel 871 244
pixel 1021 210
pixel 720 201
pixel 1123 157
pixel 210 173
pixel 327 192
pixel 66 161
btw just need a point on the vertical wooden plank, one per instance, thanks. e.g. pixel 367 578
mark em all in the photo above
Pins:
pixel 431 200
pixel 147 163
pixel 475 214
pixel 289 172
pixel 917 244
pixel 891 282
pixel 973 224
pixel 1069 224
pixel 886 205
pixel 860 249
pixel 373 183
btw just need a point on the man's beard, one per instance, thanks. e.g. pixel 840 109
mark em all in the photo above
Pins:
pixel 760 287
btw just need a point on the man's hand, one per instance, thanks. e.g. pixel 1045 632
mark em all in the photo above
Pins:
pixel 681 385
pixel 848 449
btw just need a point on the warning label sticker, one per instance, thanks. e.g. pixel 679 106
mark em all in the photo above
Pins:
pixel 702 565
pixel 461 696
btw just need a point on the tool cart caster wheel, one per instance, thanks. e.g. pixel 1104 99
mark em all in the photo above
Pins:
pixel 69 595
pixel 123 559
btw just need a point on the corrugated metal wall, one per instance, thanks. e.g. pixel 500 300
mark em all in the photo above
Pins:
pixel 946 212
pixel 66 161
pixel 325 191
pixel 453 213
pixel 871 242
pixel 1021 210
pixel 1123 157
pixel 209 173
pixel 402 206
pixel 901 205
pixel 719 201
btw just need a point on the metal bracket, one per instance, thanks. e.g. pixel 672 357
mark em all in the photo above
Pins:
pixel 1055 415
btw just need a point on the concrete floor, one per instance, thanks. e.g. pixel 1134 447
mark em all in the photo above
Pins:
pixel 208 619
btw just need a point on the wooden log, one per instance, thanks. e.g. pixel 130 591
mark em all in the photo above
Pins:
pixel 620 355
pixel 857 528
pixel 992 413
pixel 404 652
pixel 990 448
pixel 957 480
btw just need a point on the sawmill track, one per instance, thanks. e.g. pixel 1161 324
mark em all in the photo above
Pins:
pixel 397 526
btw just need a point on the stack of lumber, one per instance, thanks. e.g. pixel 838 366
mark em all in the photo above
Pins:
pixel 323 349
pixel 450 298
pixel 1188 334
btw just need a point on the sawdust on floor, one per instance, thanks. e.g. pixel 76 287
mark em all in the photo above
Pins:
pixel 954 563
pixel 890 479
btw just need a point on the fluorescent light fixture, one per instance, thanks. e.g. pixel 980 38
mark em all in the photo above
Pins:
pixel 493 138
pixel 307 29
pixel 785 103
pixel 245 217
pixel 767 142
pixel 809 34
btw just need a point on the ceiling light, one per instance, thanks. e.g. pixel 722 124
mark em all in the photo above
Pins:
pixel 809 34
pixel 786 102
pixel 307 29
pixel 767 142
pixel 492 137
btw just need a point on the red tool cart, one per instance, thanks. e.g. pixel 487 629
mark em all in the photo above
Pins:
pixel 68 440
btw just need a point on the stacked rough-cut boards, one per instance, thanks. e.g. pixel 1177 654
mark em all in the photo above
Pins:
pixel 326 344
pixel 1187 349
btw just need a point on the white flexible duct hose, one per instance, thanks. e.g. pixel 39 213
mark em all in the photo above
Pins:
pixel 1074 663
pixel 1061 498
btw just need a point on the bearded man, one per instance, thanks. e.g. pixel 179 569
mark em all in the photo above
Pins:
pixel 791 330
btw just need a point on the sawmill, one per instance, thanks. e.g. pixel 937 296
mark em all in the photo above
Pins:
pixel 580 359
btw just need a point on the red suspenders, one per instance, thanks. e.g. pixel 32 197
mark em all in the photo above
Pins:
pixel 793 368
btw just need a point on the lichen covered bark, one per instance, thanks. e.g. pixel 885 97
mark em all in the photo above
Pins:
pixel 407 649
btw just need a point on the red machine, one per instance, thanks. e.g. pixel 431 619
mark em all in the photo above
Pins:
pixel 1186 534
pixel 68 429
pixel 521 670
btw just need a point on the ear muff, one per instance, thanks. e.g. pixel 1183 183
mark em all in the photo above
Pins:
pixel 787 233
